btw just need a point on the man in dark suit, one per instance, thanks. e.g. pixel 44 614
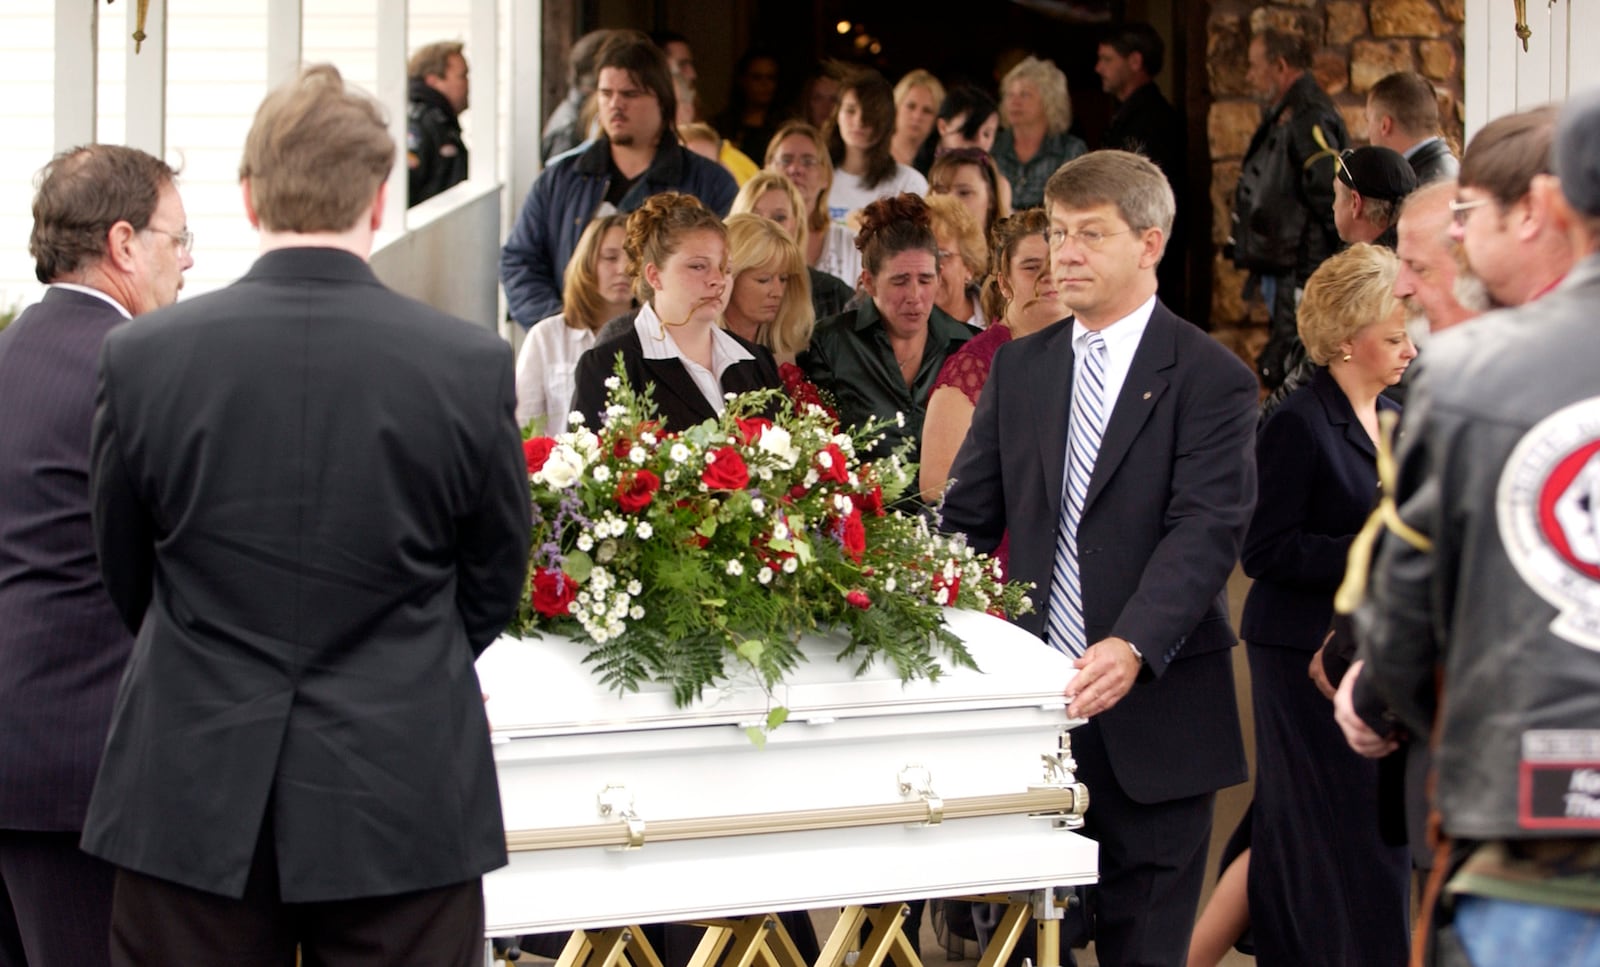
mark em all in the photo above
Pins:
pixel 110 240
pixel 1130 545
pixel 310 500
pixel 1403 115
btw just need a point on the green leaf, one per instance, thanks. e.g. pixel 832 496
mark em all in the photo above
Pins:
pixel 758 737
pixel 750 649
pixel 776 717
pixel 578 565
pixel 707 528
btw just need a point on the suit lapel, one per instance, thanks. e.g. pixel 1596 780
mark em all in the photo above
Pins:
pixel 673 380
pixel 1339 412
pixel 1050 383
pixel 1141 391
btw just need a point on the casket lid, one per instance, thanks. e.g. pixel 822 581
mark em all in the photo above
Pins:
pixel 540 686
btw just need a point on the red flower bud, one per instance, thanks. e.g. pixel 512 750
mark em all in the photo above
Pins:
pixel 858 599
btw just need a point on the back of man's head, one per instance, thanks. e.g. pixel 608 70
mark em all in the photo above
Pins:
pixel 582 64
pixel 1138 38
pixel 1407 97
pixel 316 154
pixel 1577 145
pixel 1293 49
pixel 633 51
pixel 1507 153
pixel 433 60
pixel 81 194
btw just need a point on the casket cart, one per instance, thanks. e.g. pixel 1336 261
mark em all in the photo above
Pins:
pixel 626 810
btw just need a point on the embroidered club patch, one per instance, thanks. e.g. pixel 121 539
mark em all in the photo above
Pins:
pixel 1558 783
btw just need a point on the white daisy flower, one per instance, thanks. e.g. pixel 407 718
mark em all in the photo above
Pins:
pixel 644 530
pixel 585 543
pixel 735 568
pixel 635 588
pixel 764 575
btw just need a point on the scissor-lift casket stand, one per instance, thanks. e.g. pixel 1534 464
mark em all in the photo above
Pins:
pixel 626 810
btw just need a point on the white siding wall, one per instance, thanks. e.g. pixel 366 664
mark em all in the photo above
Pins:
pixel 216 75
pixel 1502 78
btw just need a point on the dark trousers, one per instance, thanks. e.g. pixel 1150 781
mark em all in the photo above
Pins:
pixel 55 901
pixel 1152 866
pixel 155 921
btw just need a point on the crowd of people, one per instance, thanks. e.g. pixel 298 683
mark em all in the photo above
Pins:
pixel 237 624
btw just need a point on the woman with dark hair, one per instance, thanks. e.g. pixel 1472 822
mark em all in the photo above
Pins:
pixel 595 288
pixel 750 118
pixel 858 141
pixel 968 118
pixel 678 258
pixel 880 361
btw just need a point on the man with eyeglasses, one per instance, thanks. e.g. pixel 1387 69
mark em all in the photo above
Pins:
pixel 637 155
pixel 1117 448
pixel 110 241
pixel 1514 241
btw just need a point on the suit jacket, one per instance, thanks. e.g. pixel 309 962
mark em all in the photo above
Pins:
pixel 1167 506
pixel 1318 479
pixel 62 644
pixel 678 400
pixel 1434 162
pixel 311 501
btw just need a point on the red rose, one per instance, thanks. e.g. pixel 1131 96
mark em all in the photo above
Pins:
pixel 553 591
pixel 834 468
pixel 870 502
pixel 853 536
pixel 537 451
pixel 858 599
pixel 725 470
pixel 636 488
pixel 750 429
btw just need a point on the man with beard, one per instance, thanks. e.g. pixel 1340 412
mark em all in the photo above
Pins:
pixel 637 155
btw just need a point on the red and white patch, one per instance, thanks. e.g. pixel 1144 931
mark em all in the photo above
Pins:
pixel 1548 509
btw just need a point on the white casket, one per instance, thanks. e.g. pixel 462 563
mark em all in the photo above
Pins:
pixel 627 809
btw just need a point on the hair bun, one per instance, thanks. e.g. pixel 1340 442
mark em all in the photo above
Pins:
pixel 902 209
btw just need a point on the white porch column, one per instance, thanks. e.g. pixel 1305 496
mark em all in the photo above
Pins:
pixel 526 109
pixel 285 31
pixel 77 41
pixel 147 83
pixel 484 54
pixel 392 53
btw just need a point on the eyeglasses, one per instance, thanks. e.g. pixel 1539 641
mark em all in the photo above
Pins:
pixel 1462 210
pixel 184 239
pixel 804 161
pixel 1089 239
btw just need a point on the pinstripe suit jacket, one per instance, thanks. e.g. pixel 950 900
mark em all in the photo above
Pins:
pixel 62 644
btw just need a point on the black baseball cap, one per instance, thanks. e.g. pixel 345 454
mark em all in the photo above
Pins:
pixel 1375 172
pixel 1577 145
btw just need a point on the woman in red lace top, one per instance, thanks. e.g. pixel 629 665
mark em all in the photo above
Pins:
pixel 1021 298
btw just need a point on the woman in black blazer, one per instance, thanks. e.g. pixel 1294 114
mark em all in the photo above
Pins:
pixel 1324 889
pixel 678 256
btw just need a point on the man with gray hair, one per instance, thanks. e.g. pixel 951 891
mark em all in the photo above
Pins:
pixel 1482 628
pixel 111 240
pixel 1117 447
pixel 311 507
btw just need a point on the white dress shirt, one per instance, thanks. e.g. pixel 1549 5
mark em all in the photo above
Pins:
pixel 547 368
pixel 657 343
pixel 1122 341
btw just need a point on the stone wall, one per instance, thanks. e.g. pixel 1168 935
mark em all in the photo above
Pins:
pixel 1357 43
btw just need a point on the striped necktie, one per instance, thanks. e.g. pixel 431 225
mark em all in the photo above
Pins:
pixel 1087 423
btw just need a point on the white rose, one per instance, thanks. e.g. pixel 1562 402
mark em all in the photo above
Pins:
pixel 562 468
pixel 777 442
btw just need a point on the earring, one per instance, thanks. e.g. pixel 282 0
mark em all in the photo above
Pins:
pixel 1347 357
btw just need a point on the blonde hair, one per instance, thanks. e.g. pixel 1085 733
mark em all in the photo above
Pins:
pixel 817 219
pixel 755 242
pixel 919 78
pixel 1051 84
pixel 951 217
pixel 698 131
pixel 581 305
pixel 1348 292
pixel 764 181
pixel 316 154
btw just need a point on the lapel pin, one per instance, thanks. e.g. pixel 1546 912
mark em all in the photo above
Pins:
pixel 1146 394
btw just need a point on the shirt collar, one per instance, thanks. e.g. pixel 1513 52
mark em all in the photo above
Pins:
pixel 1410 152
pixel 1122 335
pixel 656 342
pixel 87 290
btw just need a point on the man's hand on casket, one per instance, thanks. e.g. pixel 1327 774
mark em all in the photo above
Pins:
pixel 1105 673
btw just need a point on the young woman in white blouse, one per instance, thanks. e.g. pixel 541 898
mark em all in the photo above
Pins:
pixel 596 288
pixel 864 168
